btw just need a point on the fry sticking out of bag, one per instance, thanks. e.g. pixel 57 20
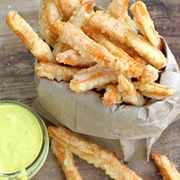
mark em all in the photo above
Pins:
pixel 145 23
pixel 30 39
pixel 65 158
pixel 54 71
pixel 92 153
pixel 81 12
pixel 73 58
pixel 165 166
pixel 93 77
pixel 111 95
pixel 119 10
pixel 135 68
pixel 154 90
pixel 77 39
pixel 48 10
pixel 122 33
pixel 66 7
pixel 128 92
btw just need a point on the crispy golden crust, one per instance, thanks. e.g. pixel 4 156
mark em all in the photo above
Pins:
pixel 73 58
pixel 54 71
pixel 65 158
pixel 66 7
pixel 165 166
pixel 93 154
pixel 93 77
pixel 30 39
pixel 135 68
pixel 80 14
pixel 119 10
pixel 154 90
pixel 47 11
pixel 111 95
pixel 87 48
pixel 145 23
pixel 121 32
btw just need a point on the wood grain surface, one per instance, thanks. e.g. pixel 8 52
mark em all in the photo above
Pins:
pixel 17 81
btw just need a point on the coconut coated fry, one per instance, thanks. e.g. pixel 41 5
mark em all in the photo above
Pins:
pixel 30 39
pixel 65 158
pixel 165 166
pixel 93 154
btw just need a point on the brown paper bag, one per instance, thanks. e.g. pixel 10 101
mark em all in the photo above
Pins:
pixel 128 131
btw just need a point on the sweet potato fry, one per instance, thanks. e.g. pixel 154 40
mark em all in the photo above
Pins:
pixel 154 90
pixel 92 153
pixel 93 77
pixel 135 68
pixel 65 158
pixel 128 92
pixel 111 95
pixel 30 39
pixel 73 58
pixel 54 71
pixel 145 23
pixel 47 11
pixel 66 7
pixel 81 12
pixel 119 10
pixel 121 32
pixel 165 166
pixel 76 38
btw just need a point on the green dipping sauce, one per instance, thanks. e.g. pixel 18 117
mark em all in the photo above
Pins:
pixel 20 137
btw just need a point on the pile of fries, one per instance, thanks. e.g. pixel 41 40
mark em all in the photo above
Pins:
pixel 103 50
pixel 65 143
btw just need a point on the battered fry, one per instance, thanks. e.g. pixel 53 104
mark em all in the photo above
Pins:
pixel 154 90
pixel 93 154
pixel 111 96
pixel 66 7
pixel 54 71
pixel 30 39
pixel 121 32
pixel 65 158
pixel 47 11
pixel 76 38
pixel 145 23
pixel 165 166
pixel 73 58
pixel 93 77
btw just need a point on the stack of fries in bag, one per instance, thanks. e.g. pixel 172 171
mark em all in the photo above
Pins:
pixel 103 74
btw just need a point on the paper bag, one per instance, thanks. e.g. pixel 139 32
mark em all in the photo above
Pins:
pixel 127 130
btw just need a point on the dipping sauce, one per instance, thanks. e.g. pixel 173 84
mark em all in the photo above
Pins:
pixel 21 137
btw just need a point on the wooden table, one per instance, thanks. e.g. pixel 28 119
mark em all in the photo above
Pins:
pixel 17 81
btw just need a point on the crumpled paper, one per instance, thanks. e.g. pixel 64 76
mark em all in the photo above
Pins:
pixel 127 130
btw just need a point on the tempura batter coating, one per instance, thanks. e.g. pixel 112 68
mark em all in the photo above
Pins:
pixel 155 90
pixel 165 166
pixel 30 39
pixel 121 32
pixel 145 23
pixel 48 10
pixel 66 7
pixel 73 58
pixel 93 154
pixel 87 48
pixel 111 96
pixel 54 71
pixel 93 77
pixel 65 158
